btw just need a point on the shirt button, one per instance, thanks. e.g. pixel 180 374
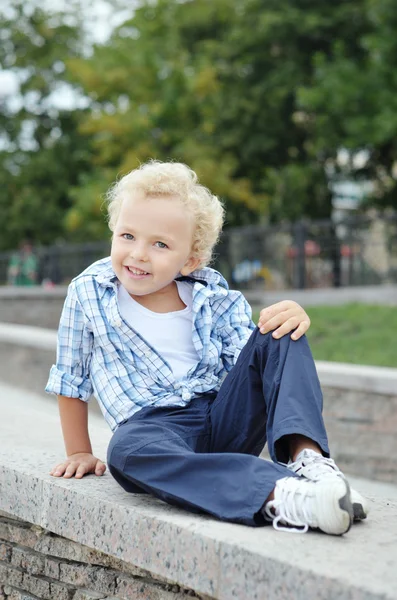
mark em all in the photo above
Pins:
pixel 186 395
pixel 116 323
pixel 177 386
pixel 147 353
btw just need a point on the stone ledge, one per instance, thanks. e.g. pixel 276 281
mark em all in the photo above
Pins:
pixel 45 304
pixel 37 291
pixel 216 559
pixel 220 560
pixel 385 295
pixel 26 335
pixel 365 378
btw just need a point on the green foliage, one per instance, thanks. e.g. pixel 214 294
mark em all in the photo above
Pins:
pixel 222 87
pixel 158 93
pixel 352 98
pixel 214 85
pixel 256 97
pixel 43 152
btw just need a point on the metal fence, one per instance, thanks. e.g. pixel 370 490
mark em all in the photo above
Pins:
pixel 58 264
pixel 312 254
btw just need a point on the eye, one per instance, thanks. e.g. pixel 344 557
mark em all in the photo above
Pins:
pixel 161 245
pixel 127 236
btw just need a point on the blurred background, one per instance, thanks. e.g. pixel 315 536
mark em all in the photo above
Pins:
pixel 286 110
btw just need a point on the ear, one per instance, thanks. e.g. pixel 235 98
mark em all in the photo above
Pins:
pixel 190 265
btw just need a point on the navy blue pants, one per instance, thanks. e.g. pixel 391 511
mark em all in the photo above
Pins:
pixel 204 457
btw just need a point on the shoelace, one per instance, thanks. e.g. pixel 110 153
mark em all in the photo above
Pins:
pixel 316 466
pixel 289 508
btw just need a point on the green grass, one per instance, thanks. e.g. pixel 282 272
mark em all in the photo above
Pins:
pixel 354 333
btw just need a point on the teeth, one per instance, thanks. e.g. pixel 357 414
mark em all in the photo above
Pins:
pixel 137 271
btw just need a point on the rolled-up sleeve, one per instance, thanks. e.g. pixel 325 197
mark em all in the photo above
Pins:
pixel 70 376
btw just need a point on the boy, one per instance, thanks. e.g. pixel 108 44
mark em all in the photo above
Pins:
pixel 190 388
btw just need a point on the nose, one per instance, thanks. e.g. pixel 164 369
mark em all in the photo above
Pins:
pixel 139 251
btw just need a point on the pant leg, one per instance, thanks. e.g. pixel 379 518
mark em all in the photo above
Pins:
pixel 272 391
pixel 165 452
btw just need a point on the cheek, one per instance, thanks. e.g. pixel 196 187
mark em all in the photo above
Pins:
pixel 116 254
pixel 116 248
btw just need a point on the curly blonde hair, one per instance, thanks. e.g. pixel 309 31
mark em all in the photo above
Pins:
pixel 156 178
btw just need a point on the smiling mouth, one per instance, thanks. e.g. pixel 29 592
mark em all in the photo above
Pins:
pixel 135 271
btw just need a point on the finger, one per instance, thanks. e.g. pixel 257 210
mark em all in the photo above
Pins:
pixel 266 314
pixel 81 471
pixel 272 310
pixel 58 471
pixel 286 327
pixel 273 323
pixel 70 470
pixel 301 330
pixel 100 468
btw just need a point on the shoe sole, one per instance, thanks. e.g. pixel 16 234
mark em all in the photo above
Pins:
pixel 360 506
pixel 334 507
pixel 359 513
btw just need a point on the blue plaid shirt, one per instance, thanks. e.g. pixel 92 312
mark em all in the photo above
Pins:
pixel 99 353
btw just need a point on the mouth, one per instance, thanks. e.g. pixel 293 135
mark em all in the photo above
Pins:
pixel 135 271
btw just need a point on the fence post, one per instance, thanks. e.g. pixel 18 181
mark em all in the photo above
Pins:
pixel 335 257
pixel 300 238
pixel 350 241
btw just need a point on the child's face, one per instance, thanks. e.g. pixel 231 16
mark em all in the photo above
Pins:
pixel 152 244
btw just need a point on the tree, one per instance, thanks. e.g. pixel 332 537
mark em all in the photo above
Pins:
pixel 270 56
pixel 42 151
pixel 257 97
pixel 157 93
pixel 218 85
pixel 351 101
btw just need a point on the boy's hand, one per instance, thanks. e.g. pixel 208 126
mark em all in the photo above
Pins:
pixel 284 317
pixel 78 465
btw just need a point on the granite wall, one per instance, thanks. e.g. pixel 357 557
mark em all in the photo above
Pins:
pixel 36 564
pixel 362 428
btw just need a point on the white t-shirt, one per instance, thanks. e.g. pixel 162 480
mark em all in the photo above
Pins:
pixel 170 334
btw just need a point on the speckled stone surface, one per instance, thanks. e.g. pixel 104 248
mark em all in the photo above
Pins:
pixel 224 561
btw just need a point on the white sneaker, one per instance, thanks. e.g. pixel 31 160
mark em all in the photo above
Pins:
pixel 314 466
pixel 299 504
